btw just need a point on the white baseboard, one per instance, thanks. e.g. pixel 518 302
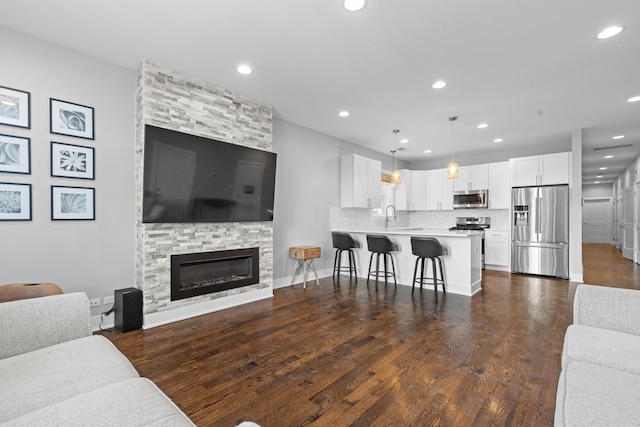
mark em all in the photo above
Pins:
pixel 168 316
pixel 163 317
pixel 283 282
pixel 575 277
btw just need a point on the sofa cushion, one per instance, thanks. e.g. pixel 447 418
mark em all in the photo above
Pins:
pixel 134 402
pixel 594 395
pixel 602 347
pixel 42 377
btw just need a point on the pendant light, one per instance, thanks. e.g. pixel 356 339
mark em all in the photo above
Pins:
pixel 452 167
pixel 396 178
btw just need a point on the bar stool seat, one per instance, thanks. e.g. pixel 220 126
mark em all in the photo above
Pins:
pixel 344 242
pixel 428 248
pixel 379 244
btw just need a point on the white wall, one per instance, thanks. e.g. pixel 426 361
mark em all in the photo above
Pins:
pixel 95 257
pixel 307 186
pixel 597 190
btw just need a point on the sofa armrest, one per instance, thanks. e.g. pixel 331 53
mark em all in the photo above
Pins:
pixel 30 324
pixel 607 308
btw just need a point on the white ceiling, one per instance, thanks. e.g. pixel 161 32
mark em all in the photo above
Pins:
pixel 532 70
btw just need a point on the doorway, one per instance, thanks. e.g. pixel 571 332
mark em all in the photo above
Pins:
pixel 596 220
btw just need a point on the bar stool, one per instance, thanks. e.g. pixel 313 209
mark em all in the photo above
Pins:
pixel 428 248
pixel 344 242
pixel 379 244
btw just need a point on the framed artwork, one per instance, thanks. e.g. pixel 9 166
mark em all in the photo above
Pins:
pixel 71 119
pixel 72 203
pixel 15 107
pixel 72 161
pixel 15 154
pixel 15 202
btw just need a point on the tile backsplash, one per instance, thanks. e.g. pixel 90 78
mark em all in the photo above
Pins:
pixel 367 219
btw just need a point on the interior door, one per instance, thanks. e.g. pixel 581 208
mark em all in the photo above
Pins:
pixel 627 223
pixel 596 216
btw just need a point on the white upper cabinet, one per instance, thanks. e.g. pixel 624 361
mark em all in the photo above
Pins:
pixel 499 188
pixel 419 191
pixel 403 191
pixel 474 177
pixel 547 169
pixel 439 191
pixel 360 182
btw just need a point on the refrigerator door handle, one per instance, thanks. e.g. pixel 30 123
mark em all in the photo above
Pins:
pixel 558 245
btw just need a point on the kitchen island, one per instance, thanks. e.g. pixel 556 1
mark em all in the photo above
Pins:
pixel 462 264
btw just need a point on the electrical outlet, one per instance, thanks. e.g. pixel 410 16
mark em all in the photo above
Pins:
pixel 94 302
pixel 107 300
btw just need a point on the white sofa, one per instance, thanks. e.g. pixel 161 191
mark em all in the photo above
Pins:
pixel 53 371
pixel 599 384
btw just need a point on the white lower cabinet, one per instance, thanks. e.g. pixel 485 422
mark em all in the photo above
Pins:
pixel 496 248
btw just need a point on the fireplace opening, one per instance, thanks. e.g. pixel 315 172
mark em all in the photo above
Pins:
pixel 207 272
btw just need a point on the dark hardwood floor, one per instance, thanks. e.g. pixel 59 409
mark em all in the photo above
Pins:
pixel 345 354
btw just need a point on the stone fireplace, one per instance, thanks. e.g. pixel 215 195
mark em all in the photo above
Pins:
pixel 168 99
pixel 209 272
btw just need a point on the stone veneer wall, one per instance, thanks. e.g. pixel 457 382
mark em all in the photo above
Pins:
pixel 167 99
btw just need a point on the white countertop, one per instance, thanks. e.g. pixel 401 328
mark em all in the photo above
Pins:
pixel 416 231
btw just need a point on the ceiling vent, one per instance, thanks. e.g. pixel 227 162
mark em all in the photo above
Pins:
pixel 612 147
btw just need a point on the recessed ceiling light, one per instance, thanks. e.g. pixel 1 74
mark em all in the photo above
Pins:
pixel 244 69
pixel 497 140
pixel 439 84
pixel 609 32
pixel 404 141
pixel 343 113
pixel 483 125
pixel 634 99
pixel 603 169
pixel 596 182
pixel 427 151
pixel 599 176
pixel 354 5
pixel 618 137
pixel 609 156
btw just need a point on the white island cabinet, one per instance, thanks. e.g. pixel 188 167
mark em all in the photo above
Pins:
pixel 462 264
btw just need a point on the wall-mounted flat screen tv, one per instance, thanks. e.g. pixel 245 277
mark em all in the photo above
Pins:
pixel 190 178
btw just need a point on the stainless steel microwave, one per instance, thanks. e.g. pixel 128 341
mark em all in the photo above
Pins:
pixel 470 199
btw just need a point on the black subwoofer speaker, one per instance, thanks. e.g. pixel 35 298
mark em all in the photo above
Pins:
pixel 128 309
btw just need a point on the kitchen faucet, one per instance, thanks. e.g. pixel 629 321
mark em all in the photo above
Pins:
pixel 386 215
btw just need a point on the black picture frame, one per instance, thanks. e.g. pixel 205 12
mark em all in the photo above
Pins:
pixel 73 203
pixel 15 201
pixel 72 161
pixel 70 119
pixel 15 107
pixel 15 154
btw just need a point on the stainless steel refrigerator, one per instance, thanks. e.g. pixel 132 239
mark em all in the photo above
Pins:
pixel 540 230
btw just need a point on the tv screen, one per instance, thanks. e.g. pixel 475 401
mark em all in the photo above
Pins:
pixel 189 178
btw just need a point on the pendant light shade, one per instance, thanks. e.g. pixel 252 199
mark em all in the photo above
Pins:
pixel 452 167
pixel 396 177
pixel 452 171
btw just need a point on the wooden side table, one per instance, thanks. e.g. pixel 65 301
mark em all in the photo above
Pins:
pixel 304 256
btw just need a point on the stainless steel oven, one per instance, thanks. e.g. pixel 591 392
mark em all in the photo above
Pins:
pixel 474 223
